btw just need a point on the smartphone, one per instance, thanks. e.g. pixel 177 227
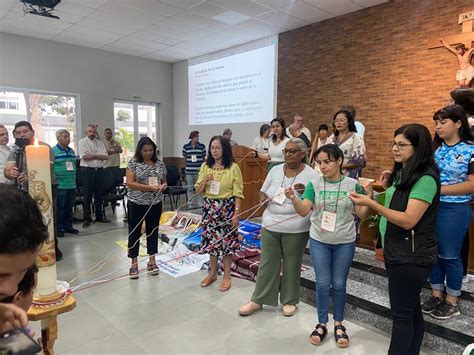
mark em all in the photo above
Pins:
pixel 18 342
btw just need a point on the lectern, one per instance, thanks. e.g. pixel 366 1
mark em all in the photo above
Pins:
pixel 254 171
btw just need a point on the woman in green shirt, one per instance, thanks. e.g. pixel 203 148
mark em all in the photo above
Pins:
pixel 220 182
pixel 408 230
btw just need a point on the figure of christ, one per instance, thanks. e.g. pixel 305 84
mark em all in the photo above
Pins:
pixel 465 72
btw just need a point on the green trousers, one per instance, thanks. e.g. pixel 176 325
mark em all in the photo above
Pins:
pixel 275 246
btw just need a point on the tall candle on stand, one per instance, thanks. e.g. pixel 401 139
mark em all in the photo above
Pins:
pixel 39 184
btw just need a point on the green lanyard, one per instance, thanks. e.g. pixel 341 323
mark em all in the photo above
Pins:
pixel 337 196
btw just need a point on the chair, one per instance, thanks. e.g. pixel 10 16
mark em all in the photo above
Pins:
pixel 114 189
pixel 79 185
pixel 175 188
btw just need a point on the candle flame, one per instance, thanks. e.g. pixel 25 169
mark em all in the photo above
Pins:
pixel 36 142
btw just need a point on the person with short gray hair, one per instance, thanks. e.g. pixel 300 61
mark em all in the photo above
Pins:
pixel 65 170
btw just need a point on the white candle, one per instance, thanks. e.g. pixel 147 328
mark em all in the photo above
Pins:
pixel 39 184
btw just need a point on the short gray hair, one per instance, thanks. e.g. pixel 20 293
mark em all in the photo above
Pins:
pixel 61 131
pixel 302 145
pixel 227 131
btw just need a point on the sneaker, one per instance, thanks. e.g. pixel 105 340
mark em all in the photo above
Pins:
pixel 86 224
pixel 430 305
pixel 465 279
pixel 446 310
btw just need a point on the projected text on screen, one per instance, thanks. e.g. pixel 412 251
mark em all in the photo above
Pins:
pixel 234 89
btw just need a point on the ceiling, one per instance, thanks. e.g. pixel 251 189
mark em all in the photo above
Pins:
pixel 170 30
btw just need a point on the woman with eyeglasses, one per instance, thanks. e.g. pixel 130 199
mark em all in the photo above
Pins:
pixel 454 156
pixel 408 231
pixel 220 182
pixel 352 145
pixel 332 236
pixel 276 145
pixel 284 233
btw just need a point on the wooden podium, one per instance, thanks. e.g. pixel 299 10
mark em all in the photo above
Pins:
pixel 254 171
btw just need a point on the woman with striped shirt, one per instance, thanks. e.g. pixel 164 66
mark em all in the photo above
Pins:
pixel 146 179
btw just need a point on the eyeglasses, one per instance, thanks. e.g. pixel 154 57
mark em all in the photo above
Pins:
pixel 400 146
pixel 290 151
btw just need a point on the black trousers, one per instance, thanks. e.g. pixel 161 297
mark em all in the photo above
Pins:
pixel 135 221
pixel 92 184
pixel 404 286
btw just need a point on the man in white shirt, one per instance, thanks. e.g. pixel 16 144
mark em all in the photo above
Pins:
pixel 298 120
pixel 4 152
pixel 93 156
pixel 113 149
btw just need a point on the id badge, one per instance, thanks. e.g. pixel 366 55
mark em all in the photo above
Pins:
pixel 69 166
pixel 328 222
pixel 153 180
pixel 194 158
pixel 214 187
pixel 280 197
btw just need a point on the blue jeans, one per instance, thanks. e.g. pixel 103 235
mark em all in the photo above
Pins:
pixel 66 200
pixel 452 223
pixel 331 264
pixel 193 200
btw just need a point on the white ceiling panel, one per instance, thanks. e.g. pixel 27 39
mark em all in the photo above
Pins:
pixel 149 6
pixel 207 10
pixel 170 30
pixel 168 41
pixel 107 26
pixel 279 19
pixel 306 12
pixel 184 4
pixel 245 7
pixel 74 8
pixel 275 4
pixel 199 21
pixel 339 7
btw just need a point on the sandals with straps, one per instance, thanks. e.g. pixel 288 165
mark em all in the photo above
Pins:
pixel 320 336
pixel 343 335
pixel 133 273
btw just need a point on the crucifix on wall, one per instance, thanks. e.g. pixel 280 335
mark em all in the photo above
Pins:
pixel 461 46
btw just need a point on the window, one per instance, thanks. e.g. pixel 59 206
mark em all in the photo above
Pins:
pixel 48 113
pixel 134 120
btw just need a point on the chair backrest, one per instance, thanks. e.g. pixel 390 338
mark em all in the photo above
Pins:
pixel 117 174
pixel 108 181
pixel 173 178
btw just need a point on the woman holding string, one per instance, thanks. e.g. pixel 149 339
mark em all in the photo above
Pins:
pixel 220 182
pixel 332 236
pixel 284 233
pixel 408 231
pixel 146 179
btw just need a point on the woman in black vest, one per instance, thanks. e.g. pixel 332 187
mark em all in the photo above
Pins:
pixel 407 227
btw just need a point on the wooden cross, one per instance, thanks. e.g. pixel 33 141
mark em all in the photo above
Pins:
pixel 466 37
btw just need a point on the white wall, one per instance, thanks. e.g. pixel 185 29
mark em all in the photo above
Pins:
pixel 242 133
pixel 97 76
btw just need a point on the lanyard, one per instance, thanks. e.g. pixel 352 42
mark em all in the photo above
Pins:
pixel 284 176
pixel 337 196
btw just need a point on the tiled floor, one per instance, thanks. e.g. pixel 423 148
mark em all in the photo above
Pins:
pixel 164 315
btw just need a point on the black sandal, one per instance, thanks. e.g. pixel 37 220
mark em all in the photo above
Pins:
pixel 315 333
pixel 341 336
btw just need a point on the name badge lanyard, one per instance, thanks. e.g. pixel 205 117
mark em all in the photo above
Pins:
pixel 328 222
pixel 337 197
pixel 280 197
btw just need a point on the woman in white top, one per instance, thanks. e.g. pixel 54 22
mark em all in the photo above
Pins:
pixel 277 144
pixel 260 143
pixel 284 233
pixel 352 145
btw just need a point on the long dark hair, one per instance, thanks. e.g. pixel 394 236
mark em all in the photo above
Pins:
pixel 455 113
pixel 227 157
pixel 420 162
pixel 138 152
pixel 333 152
pixel 283 128
pixel 350 120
